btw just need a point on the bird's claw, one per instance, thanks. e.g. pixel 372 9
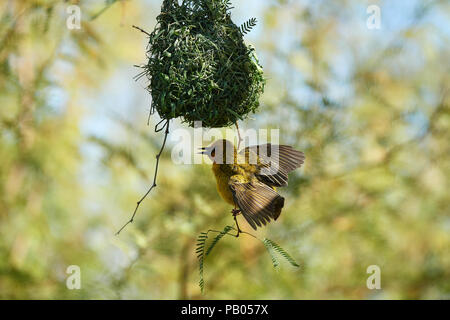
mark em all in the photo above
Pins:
pixel 235 212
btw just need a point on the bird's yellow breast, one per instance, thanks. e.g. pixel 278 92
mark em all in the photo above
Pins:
pixel 222 179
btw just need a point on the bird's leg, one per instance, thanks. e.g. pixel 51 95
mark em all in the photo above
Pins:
pixel 236 212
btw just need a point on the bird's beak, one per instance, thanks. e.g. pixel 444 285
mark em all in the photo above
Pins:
pixel 203 150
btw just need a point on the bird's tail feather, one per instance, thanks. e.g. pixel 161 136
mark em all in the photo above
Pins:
pixel 258 202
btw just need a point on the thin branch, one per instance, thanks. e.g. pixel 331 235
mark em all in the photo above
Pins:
pixel 154 178
pixel 141 30
pixel 239 135
pixel 247 233
pixel 157 128
pixel 233 235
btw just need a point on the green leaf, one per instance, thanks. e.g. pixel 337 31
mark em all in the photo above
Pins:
pixel 272 246
pixel 200 251
pixel 217 239
pixel 247 26
pixel 269 248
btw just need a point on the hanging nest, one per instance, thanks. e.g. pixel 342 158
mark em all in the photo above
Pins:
pixel 199 67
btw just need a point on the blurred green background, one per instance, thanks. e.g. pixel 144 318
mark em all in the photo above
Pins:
pixel 370 109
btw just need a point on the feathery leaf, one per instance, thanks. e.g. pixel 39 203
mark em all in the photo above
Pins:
pixel 275 247
pixel 200 251
pixel 269 248
pixel 247 26
pixel 217 239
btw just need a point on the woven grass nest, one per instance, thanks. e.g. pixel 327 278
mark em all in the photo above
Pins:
pixel 199 67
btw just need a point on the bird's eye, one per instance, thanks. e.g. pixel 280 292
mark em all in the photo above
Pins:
pixel 213 152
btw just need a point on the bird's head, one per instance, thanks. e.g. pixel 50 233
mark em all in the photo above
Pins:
pixel 220 152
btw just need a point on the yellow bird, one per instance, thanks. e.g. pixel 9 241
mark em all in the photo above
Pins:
pixel 247 180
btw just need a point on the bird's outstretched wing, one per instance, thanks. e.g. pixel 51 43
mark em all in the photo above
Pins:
pixel 258 202
pixel 273 163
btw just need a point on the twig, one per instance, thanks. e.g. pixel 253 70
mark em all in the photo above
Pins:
pixel 154 178
pixel 141 30
pixel 144 72
pixel 239 135
pixel 232 235
pixel 247 233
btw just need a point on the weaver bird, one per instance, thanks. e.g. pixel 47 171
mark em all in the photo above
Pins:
pixel 248 179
